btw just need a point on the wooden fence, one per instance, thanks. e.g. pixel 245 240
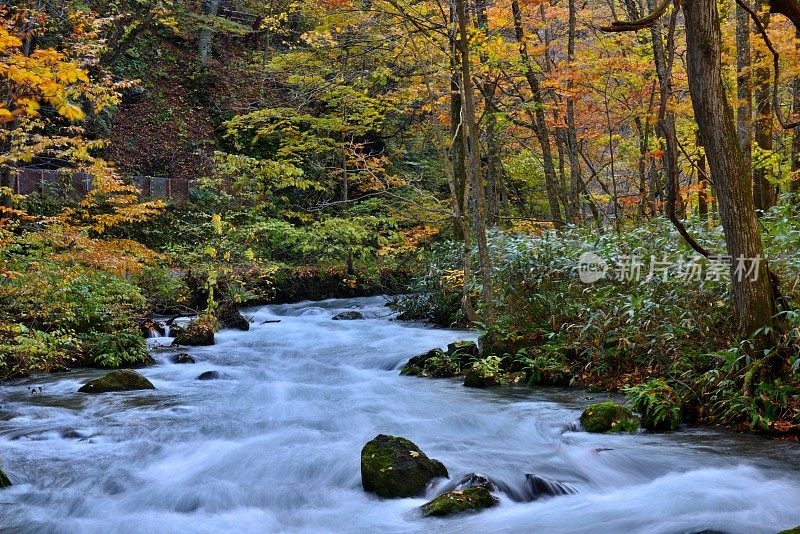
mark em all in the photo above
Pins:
pixel 64 183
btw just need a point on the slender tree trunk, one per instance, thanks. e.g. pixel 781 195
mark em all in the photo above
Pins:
pixel 457 153
pixel 475 178
pixel 795 180
pixel 540 126
pixel 702 182
pixel 575 177
pixel 744 86
pixel 204 36
pixel 668 125
pixel 763 191
pixel 754 304
pixel 494 166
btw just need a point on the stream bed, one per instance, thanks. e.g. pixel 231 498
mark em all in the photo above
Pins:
pixel 273 446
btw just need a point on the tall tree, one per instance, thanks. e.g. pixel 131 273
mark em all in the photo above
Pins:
pixel 753 298
pixel 475 176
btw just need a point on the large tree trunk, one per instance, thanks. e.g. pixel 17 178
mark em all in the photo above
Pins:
pixel 764 192
pixel 475 178
pixel 550 178
pixel 753 300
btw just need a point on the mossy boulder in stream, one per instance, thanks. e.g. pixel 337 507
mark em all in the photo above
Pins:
pixel 122 380
pixel 435 363
pixel 393 466
pixel 199 332
pixel 608 417
pixel 484 373
pixel 4 481
pixel 453 502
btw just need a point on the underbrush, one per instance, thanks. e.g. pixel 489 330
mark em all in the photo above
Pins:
pixel 666 337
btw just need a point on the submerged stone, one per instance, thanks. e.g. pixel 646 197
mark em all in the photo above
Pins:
pixel 392 466
pixel 122 380
pixel 457 501
pixel 608 417
pixel 351 315
pixel 539 486
pixel 476 480
pixel 183 357
pixel 212 375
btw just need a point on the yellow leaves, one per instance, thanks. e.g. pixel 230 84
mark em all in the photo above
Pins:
pixel 8 41
pixel 71 112
pixel 70 73
pixel 44 76
pixel 5 115
pixel 216 223
pixel 28 106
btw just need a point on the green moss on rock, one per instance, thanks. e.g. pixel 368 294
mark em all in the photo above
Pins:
pixel 122 380
pixel 474 378
pixel 392 466
pixel 434 363
pixel 199 332
pixel 608 417
pixel 457 501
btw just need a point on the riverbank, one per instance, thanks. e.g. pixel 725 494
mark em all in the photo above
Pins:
pixel 274 446
pixel 656 322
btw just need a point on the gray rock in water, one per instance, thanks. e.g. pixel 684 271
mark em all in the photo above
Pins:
pixel 212 375
pixel 476 480
pixel 230 317
pixel 348 316
pixel 183 357
pixel 538 486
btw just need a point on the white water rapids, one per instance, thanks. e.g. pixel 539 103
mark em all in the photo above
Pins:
pixel 274 445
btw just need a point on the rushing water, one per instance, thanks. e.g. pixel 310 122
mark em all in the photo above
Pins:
pixel 274 445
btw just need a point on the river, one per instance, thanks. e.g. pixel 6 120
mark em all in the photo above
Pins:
pixel 274 445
